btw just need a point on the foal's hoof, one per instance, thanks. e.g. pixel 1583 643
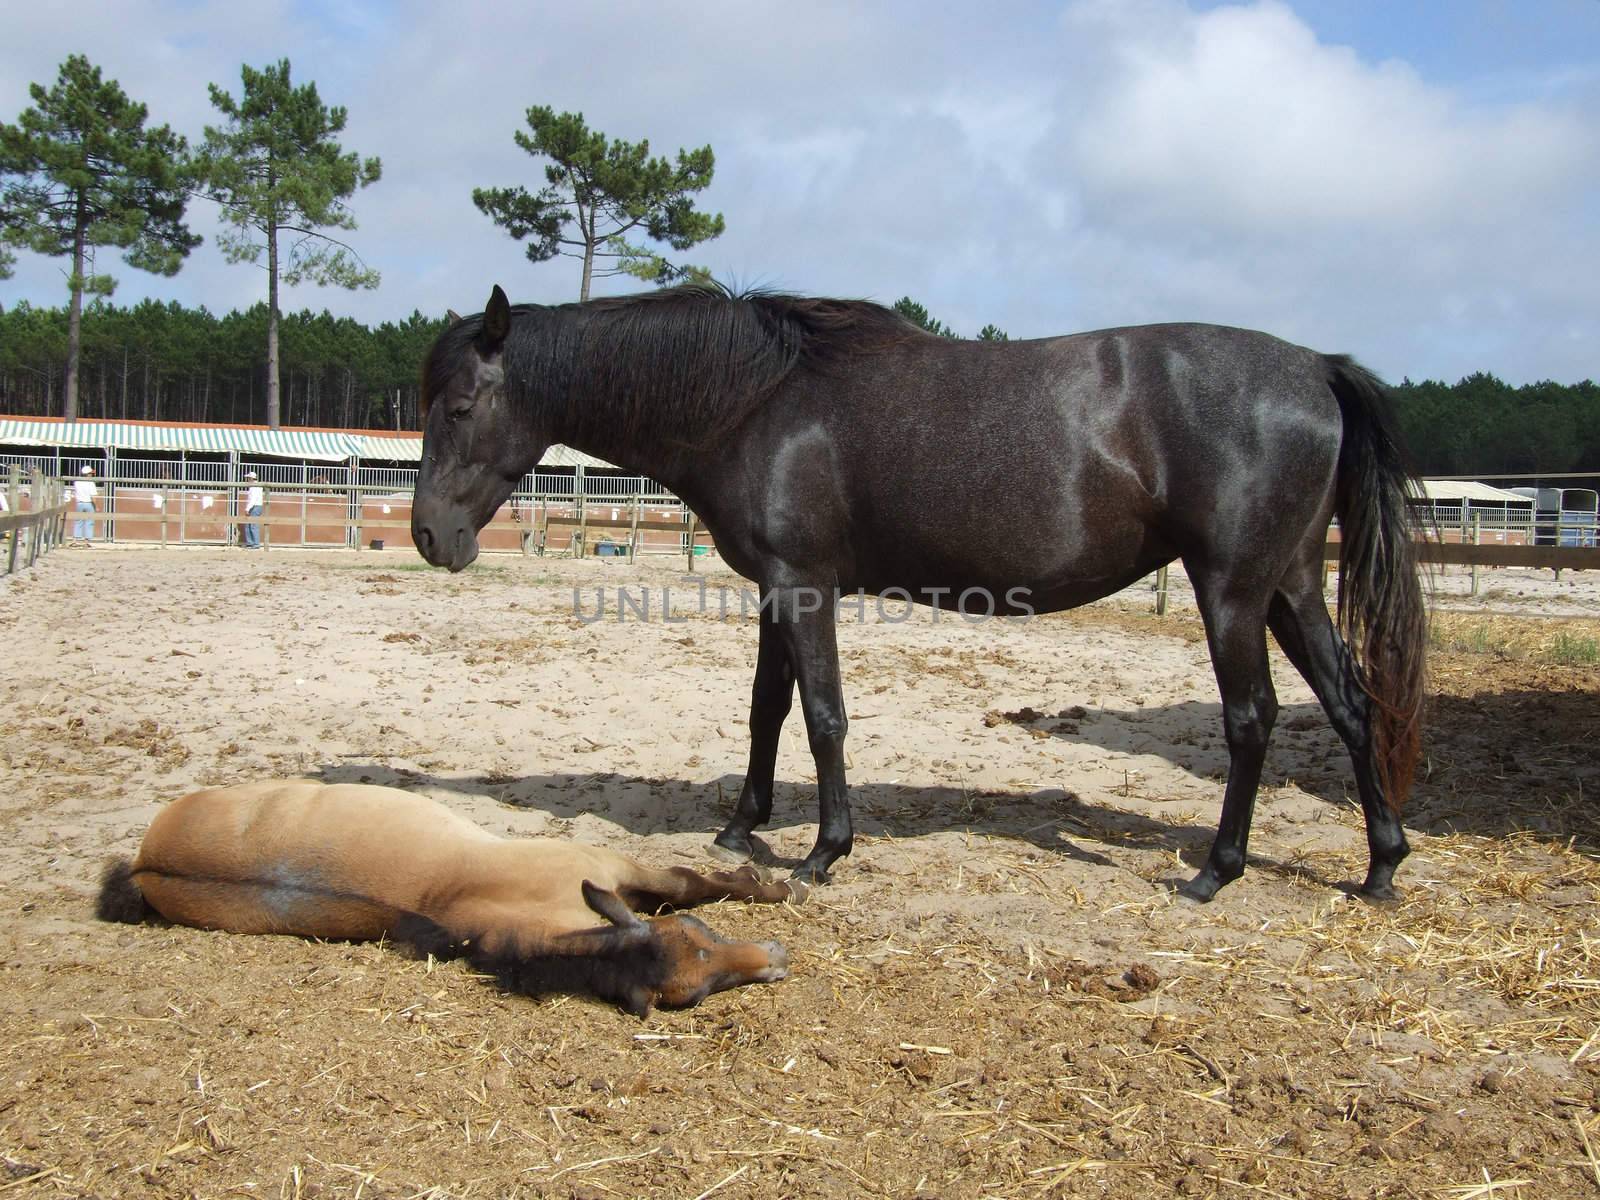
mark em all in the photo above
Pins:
pixel 798 890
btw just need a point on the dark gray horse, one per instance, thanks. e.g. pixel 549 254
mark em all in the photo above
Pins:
pixel 831 446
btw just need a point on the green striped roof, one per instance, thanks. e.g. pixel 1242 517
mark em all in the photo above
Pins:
pixel 318 445
pixel 135 436
pixel 409 449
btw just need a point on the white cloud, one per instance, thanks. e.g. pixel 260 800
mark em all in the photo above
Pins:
pixel 1044 168
pixel 1240 119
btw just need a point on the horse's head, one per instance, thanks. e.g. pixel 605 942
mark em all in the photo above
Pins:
pixel 474 447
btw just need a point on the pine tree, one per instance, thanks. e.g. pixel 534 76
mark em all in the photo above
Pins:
pixel 598 193
pixel 919 316
pixel 276 170
pixel 80 171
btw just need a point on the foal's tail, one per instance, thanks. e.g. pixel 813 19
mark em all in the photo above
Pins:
pixel 1381 613
pixel 120 898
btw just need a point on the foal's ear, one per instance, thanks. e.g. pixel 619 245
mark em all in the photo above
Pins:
pixel 452 316
pixel 610 906
pixel 496 319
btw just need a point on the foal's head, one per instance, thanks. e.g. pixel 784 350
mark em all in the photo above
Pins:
pixel 683 961
pixel 474 447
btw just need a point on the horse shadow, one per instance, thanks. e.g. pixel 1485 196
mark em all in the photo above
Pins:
pixel 1495 764
pixel 648 806
pixel 1053 819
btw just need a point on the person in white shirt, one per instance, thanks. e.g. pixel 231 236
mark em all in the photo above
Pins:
pixel 84 491
pixel 255 499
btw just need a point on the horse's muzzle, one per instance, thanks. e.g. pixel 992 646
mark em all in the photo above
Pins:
pixel 446 545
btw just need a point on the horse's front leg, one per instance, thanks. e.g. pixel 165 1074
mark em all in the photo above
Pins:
pixel 770 699
pixel 805 618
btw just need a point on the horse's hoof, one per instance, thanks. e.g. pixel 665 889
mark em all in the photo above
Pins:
pixel 1200 889
pixel 1380 897
pixel 808 876
pixel 798 890
pixel 730 854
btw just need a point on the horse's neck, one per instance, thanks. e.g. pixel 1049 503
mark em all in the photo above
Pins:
pixel 660 456
pixel 673 469
pixel 608 421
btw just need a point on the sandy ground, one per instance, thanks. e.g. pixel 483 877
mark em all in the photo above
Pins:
pixel 999 995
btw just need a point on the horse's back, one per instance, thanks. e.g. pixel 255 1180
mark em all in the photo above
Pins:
pixel 1066 466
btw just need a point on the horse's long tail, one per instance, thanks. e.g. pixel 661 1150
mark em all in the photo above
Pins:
pixel 120 898
pixel 1381 612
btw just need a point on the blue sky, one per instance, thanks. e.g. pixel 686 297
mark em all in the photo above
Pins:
pixel 1417 184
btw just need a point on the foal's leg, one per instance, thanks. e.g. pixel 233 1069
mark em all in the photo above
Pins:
pixel 1237 635
pixel 1298 617
pixel 649 888
pixel 770 699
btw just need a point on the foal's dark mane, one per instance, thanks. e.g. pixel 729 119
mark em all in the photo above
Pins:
pixel 684 364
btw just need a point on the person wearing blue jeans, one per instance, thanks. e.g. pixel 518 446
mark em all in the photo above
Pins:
pixel 84 492
pixel 254 501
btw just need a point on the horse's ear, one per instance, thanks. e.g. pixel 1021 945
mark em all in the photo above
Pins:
pixel 452 316
pixel 610 906
pixel 496 319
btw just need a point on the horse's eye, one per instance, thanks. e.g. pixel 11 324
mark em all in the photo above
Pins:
pixel 458 411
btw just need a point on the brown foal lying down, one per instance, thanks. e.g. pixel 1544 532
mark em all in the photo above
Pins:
pixel 352 861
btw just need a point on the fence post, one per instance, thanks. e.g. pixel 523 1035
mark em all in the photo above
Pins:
pixel 1477 539
pixel 266 511
pixel 352 533
pixel 633 528
pixel 56 494
pixel 166 505
pixel 14 505
pixel 36 492
pixel 1161 591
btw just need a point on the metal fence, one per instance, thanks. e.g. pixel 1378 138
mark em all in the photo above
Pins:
pixel 198 500
pixel 1512 526
pixel 201 501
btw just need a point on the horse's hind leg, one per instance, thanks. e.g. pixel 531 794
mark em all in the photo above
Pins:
pixel 1236 632
pixel 1298 617
pixel 770 700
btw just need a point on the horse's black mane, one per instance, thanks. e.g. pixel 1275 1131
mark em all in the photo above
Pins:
pixel 683 364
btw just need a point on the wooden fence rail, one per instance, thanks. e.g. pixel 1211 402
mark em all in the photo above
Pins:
pixel 42 529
